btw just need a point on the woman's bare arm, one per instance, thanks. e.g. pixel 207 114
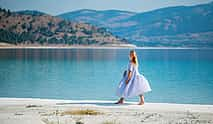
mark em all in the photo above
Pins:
pixel 128 76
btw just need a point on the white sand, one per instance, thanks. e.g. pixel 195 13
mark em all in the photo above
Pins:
pixel 46 111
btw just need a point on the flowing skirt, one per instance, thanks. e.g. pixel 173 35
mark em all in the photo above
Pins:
pixel 137 85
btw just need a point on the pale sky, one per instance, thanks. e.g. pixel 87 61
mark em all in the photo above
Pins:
pixel 55 7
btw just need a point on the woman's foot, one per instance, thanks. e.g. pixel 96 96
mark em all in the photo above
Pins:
pixel 141 103
pixel 121 101
pixel 141 100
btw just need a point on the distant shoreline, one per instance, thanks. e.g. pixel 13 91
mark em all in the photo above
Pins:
pixel 119 46
pixel 97 47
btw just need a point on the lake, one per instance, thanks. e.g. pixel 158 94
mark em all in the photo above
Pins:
pixel 175 75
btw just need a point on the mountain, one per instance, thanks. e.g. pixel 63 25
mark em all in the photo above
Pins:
pixel 172 26
pixel 34 27
pixel 100 18
pixel 31 12
pixel 175 20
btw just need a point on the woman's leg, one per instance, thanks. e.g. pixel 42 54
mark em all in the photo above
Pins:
pixel 141 100
pixel 121 101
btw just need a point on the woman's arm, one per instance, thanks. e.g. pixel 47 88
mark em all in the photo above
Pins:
pixel 128 76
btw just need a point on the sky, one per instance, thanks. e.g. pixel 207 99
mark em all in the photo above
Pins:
pixel 55 7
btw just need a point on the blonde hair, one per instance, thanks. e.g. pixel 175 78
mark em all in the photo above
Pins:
pixel 134 58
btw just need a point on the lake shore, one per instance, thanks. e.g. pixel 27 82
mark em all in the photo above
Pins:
pixel 94 47
pixel 50 111
pixel 120 46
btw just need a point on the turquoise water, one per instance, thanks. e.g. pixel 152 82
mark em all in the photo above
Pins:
pixel 175 75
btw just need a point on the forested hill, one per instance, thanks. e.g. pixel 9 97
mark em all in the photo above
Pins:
pixel 33 27
pixel 181 26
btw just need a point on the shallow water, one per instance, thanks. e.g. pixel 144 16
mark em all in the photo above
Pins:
pixel 175 75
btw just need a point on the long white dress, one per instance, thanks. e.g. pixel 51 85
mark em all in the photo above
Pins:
pixel 137 85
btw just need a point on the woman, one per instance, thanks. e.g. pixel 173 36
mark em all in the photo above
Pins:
pixel 132 83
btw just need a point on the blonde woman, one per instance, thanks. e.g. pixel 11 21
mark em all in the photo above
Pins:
pixel 132 83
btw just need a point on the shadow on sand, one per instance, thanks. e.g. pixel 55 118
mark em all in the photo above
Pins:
pixel 95 103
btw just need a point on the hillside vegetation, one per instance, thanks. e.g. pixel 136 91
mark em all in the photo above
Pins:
pixel 32 27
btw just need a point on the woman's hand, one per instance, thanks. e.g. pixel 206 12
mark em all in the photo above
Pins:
pixel 128 77
pixel 127 81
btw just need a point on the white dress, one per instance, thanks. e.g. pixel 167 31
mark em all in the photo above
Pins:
pixel 137 85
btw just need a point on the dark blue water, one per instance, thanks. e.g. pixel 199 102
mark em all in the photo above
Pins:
pixel 175 75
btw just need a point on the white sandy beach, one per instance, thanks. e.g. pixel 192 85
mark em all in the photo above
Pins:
pixel 47 111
